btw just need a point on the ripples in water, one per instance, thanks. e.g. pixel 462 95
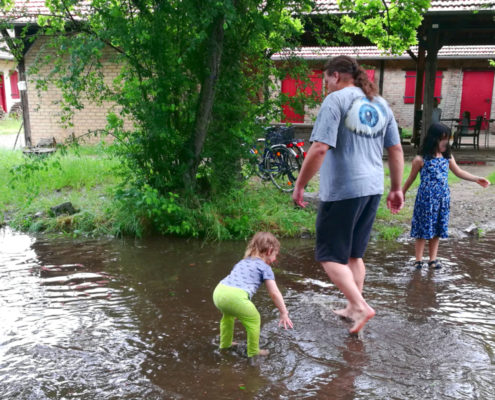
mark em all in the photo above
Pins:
pixel 151 332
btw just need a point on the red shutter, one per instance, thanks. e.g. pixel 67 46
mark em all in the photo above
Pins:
pixel 3 100
pixel 411 87
pixel 14 79
pixel 289 87
pixel 315 89
pixel 371 74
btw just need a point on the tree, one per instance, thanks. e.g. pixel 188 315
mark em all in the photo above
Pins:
pixel 390 24
pixel 190 74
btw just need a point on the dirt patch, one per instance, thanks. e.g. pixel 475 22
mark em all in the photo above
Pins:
pixel 472 208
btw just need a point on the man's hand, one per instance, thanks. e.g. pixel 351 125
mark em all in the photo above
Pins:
pixel 298 197
pixel 395 201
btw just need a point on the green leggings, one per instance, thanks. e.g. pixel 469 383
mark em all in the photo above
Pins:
pixel 234 303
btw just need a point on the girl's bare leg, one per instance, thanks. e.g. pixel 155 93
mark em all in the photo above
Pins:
pixel 433 247
pixel 419 248
pixel 359 311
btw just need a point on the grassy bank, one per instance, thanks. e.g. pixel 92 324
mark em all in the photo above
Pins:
pixel 90 182
pixel 106 207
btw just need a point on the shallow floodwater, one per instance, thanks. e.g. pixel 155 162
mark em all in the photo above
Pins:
pixel 151 331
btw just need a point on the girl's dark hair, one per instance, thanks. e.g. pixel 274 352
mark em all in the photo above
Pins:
pixel 436 132
pixel 349 65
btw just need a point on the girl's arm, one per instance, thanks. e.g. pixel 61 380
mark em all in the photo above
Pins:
pixel 278 300
pixel 460 173
pixel 416 166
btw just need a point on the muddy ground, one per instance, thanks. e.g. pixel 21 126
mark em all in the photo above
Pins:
pixel 472 204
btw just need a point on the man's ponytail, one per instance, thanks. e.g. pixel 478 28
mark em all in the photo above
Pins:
pixel 348 65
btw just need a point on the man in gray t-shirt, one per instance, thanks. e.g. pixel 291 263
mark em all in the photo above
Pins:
pixel 352 128
pixel 356 129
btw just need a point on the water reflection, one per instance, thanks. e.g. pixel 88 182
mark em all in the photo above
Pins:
pixel 151 331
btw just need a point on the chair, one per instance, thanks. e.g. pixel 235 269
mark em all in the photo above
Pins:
pixel 464 129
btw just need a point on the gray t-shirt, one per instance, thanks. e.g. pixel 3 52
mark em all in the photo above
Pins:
pixel 356 129
pixel 248 274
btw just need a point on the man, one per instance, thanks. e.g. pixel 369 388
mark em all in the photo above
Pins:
pixel 351 130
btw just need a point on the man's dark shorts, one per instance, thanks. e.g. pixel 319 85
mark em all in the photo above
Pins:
pixel 343 228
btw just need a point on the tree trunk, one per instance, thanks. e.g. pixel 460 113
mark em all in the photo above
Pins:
pixel 206 96
pixel 420 70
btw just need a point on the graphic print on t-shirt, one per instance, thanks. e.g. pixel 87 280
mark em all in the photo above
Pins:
pixel 366 118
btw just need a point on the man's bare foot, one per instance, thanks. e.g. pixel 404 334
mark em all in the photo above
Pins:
pixel 360 317
pixel 264 352
pixel 343 313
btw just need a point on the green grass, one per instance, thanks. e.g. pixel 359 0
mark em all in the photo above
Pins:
pixel 10 126
pixel 406 133
pixel 86 180
pixel 491 178
pixel 89 180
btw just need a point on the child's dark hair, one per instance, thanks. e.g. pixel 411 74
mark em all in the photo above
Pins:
pixel 348 65
pixel 262 243
pixel 436 132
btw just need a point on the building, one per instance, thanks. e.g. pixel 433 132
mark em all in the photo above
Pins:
pixel 9 91
pixel 464 80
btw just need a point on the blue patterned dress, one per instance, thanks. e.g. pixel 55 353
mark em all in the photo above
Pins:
pixel 432 206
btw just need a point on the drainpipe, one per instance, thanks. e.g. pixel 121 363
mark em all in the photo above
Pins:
pixel 382 72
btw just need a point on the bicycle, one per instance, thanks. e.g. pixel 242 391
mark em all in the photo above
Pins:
pixel 277 157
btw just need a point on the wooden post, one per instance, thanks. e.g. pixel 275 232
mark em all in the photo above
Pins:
pixel 25 104
pixel 430 76
pixel 420 70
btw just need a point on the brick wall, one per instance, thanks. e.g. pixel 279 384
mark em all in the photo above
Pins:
pixel 45 111
pixel 394 88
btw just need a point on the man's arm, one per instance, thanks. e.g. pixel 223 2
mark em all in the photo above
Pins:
pixel 395 198
pixel 310 167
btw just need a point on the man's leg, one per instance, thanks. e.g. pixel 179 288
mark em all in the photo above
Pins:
pixel 359 311
pixel 358 269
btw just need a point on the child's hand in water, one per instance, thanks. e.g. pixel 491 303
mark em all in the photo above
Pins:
pixel 285 321
pixel 482 182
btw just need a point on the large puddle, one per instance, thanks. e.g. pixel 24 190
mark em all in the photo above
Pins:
pixel 150 332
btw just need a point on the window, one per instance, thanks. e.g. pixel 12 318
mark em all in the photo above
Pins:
pixel 14 89
pixel 292 87
pixel 411 86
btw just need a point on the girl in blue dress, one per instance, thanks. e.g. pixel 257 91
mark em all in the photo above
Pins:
pixel 430 219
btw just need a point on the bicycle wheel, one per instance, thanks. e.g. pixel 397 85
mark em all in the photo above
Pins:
pixel 260 168
pixel 254 162
pixel 283 167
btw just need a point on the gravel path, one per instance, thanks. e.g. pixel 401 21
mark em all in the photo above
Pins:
pixel 7 141
pixel 471 205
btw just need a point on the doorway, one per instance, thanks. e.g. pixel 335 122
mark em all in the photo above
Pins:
pixel 477 93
